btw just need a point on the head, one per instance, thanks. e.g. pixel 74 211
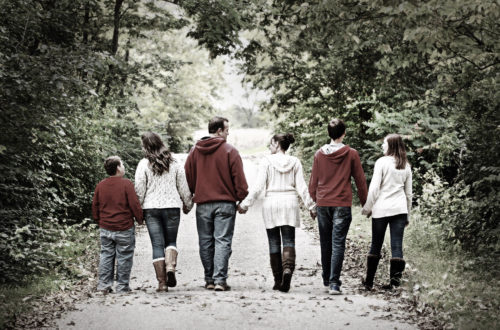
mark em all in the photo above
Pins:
pixel 281 142
pixel 336 129
pixel 394 146
pixel 114 166
pixel 156 152
pixel 219 126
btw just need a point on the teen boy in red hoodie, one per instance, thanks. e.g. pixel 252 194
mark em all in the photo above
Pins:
pixel 330 188
pixel 114 207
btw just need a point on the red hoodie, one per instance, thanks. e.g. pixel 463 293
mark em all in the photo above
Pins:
pixel 214 172
pixel 330 183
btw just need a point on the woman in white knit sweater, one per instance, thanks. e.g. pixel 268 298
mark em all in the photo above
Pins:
pixel 389 204
pixel 160 184
pixel 282 178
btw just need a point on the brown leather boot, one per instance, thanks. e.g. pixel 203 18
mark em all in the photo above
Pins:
pixel 288 267
pixel 161 275
pixel 171 262
pixel 277 268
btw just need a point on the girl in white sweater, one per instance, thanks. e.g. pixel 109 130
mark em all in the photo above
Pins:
pixel 389 204
pixel 160 184
pixel 282 178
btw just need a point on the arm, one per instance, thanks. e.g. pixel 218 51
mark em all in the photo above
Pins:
pixel 313 181
pixel 190 171
pixel 183 188
pixel 374 189
pixel 408 190
pixel 133 202
pixel 95 205
pixel 301 187
pixel 240 182
pixel 359 178
pixel 141 181
pixel 258 187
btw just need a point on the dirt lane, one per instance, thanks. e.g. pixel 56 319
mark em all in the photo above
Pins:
pixel 250 304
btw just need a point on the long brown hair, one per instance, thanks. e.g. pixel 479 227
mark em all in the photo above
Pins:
pixel 396 148
pixel 155 151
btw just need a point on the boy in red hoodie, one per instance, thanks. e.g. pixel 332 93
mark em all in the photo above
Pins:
pixel 330 187
pixel 114 206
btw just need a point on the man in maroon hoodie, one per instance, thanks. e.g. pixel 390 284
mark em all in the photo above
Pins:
pixel 214 173
pixel 330 188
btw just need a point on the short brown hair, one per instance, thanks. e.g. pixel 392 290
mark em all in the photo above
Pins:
pixel 336 128
pixel 111 164
pixel 215 123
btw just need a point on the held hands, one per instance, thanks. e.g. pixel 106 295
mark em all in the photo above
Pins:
pixel 185 209
pixel 313 213
pixel 241 210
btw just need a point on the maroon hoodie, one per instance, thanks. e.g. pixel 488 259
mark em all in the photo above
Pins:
pixel 330 183
pixel 214 172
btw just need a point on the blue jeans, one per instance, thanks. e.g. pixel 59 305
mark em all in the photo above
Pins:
pixel 274 237
pixel 333 225
pixel 215 224
pixel 163 225
pixel 397 225
pixel 117 245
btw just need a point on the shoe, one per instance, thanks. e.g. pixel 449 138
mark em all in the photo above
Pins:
pixel 277 267
pixel 395 273
pixel 171 262
pixel 209 286
pixel 288 268
pixel 105 291
pixel 334 289
pixel 222 287
pixel 161 275
pixel 371 268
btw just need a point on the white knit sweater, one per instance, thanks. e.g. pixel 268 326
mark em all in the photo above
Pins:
pixel 390 190
pixel 162 191
pixel 281 176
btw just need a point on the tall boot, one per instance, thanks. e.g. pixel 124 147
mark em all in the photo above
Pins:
pixel 288 267
pixel 171 262
pixel 277 268
pixel 396 271
pixel 371 268
pixel 161 275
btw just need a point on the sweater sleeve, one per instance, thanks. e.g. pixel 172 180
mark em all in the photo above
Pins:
pixel 133 202
pixel 190 171
pixel 182 187
pixel 301 187
pixel 313 181
pixel 408 190
pixel 374 191
pixel 359 178
pixel 240 182
pixel 259 186
pixel 141 181
pixel 95 205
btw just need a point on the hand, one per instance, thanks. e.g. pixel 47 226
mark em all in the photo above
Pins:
pixel 313 214
pixel 369 214
pixel 241 210
pixel 185 209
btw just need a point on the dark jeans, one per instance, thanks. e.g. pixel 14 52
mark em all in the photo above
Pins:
pixel 274 237
pixel 397 225
pixel 215 224
pixel 333 225
pixel 163 225
pixel 119 246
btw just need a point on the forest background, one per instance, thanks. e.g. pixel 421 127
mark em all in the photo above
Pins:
pixel 81 79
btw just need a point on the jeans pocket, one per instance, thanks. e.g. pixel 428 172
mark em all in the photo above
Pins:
pixel 344 212
pixel 227 210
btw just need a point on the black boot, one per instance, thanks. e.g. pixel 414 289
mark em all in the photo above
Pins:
pixel 371 269
pixel 277 268
pixel 288 267
pixel 396 271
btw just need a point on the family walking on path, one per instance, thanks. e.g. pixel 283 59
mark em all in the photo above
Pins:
pixel 213 178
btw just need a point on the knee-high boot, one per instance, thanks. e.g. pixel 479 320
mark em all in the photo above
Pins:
pixel 161 275
pixel 277 267
pixel 288 267
pixel 396 272
pixel 171 262
pixel 371 268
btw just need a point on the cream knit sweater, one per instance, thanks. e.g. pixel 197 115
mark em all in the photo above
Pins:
pixel 162 191
pixel 390 190
pixel 282 178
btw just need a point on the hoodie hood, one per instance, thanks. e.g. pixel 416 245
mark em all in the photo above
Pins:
pixel 336 156
pixel 208 145
pixel 282 163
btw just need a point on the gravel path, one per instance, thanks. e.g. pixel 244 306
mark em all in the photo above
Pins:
pixel 250 304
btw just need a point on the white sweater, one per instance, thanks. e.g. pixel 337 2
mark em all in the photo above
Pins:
pixel 390 190
pixel 281 176
pixel 162 191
